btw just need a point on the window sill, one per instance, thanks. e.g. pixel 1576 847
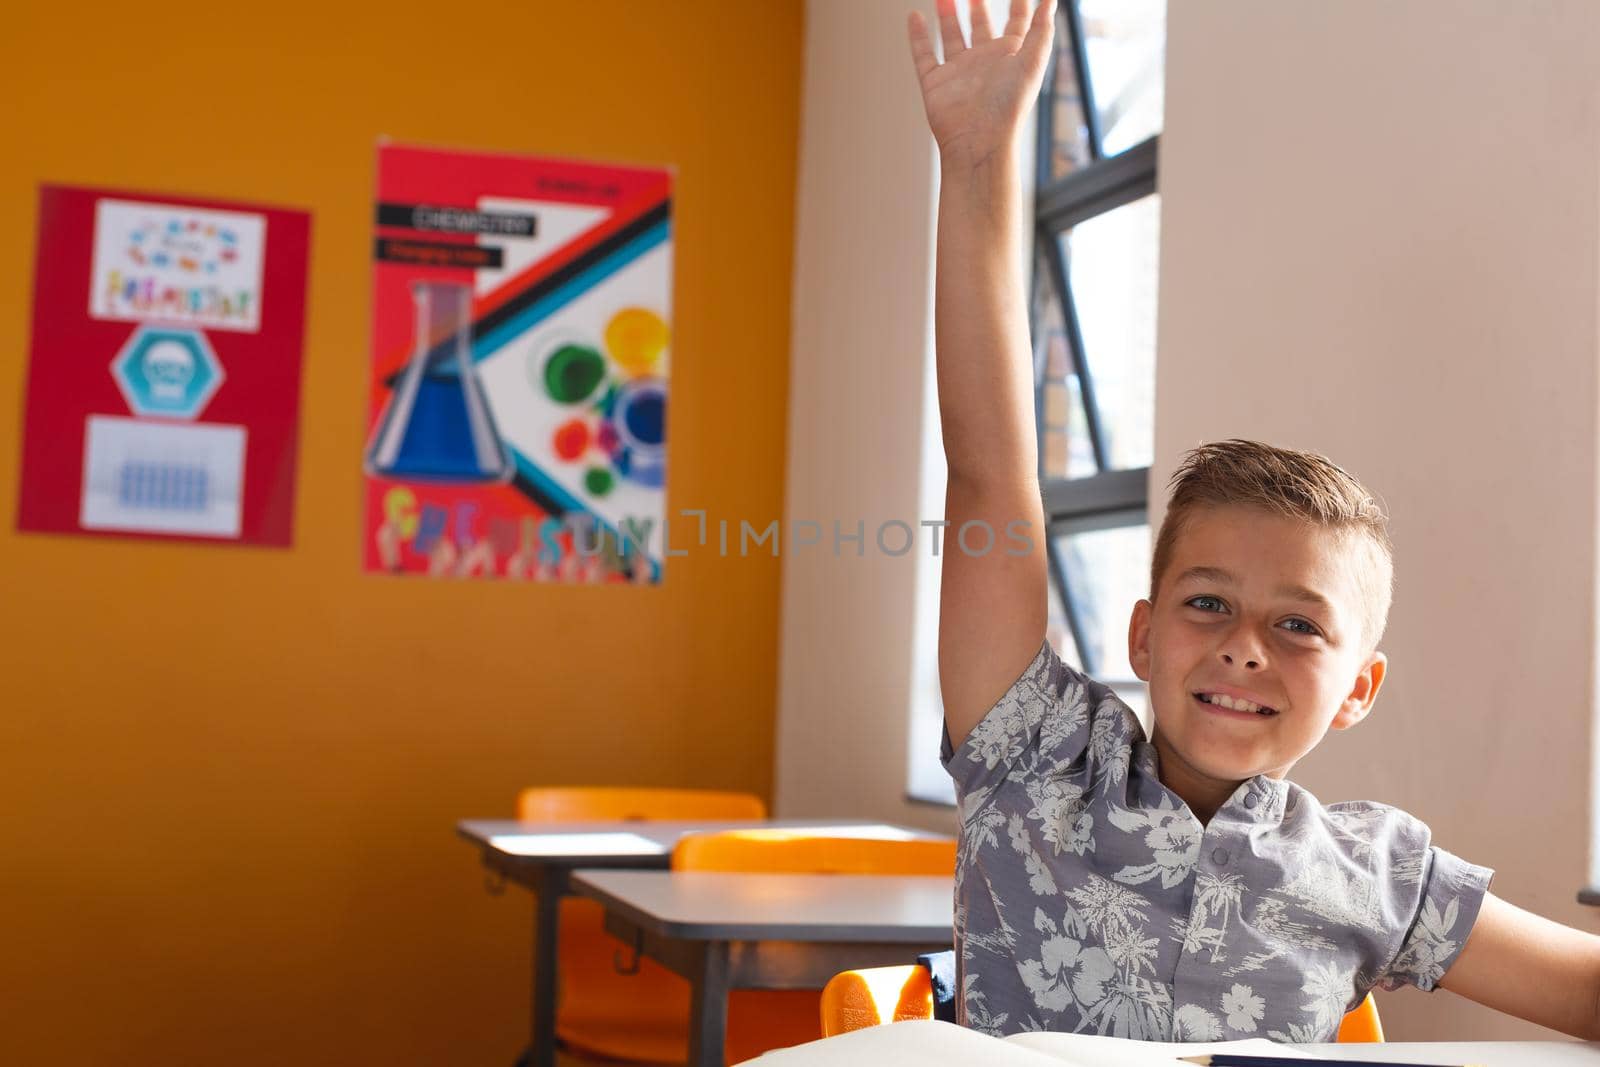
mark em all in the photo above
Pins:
pixel 949 805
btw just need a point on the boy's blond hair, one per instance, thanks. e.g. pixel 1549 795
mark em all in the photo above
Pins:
pixel 1301 485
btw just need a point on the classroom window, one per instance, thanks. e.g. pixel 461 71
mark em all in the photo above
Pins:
pixel 1092 319
pixel 1097 221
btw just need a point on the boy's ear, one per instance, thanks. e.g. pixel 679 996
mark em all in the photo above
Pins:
pixel 1363 693
pixel 1139 640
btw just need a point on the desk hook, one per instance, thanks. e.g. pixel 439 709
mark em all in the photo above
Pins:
pixel 638 949
pixel 494 883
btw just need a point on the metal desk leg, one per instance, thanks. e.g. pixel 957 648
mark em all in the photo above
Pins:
pixel 546 926
pixel 708 1005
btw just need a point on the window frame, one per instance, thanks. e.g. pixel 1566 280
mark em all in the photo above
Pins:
pixel 1110 498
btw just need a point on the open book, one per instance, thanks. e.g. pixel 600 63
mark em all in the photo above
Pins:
pixel 926 1043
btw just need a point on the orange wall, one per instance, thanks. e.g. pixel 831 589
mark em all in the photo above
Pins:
pixel 228 777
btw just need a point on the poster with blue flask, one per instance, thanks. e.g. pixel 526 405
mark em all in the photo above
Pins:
pixel 521 343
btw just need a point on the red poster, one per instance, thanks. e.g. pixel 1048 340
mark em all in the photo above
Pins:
pixel 164 375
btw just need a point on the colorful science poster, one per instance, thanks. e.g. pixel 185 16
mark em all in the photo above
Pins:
pixel 516 423
pixel 164 375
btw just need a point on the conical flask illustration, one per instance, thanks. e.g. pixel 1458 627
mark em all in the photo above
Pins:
pixel 437 425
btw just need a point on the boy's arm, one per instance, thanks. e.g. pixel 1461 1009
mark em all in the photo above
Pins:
pixel 992 606
pixel 1528 966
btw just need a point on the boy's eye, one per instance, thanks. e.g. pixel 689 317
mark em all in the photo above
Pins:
pixel 1205 603
pixel 1299 626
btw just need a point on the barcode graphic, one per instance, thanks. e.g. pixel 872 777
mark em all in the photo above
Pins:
pixel 165 486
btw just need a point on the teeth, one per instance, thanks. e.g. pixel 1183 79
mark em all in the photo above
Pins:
pixel 1224 701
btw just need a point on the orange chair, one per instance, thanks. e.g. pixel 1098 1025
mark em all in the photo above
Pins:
pixel 853 1000
pixel 1362 1025
pixel 761 1020
pixel 583 803
pixel 641 1016
pixel 781 851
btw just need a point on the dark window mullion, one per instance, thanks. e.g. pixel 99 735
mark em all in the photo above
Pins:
pixel 1069 607
pixel 1056 267
pixel 1041 363
pixel 1061 525
pixel 1080 56
pixel 1045 139
pixel 1036 317
pixel 1108 492
pixel 1097 188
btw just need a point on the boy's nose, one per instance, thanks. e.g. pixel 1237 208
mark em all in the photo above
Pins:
pixel 1249 664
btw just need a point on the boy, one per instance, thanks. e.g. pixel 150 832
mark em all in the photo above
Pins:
pixel 1177 888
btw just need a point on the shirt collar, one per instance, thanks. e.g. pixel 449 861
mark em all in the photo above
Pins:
pixel 1258 799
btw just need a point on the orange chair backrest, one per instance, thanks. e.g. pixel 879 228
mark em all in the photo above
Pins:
pixel 853 1000
pixel 779 851
pixel 639 804
pixel 1361 1024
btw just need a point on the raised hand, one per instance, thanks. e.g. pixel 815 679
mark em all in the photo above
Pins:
pixel 976 99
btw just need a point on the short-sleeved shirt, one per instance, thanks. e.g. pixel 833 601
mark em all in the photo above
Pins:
pixel 1090 899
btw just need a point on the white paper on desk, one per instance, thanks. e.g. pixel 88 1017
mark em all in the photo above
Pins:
pixel 621 844
pixel 926 1043
pixel 1090 1049
pixel 919 1043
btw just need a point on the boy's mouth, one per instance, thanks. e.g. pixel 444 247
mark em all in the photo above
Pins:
pixel 1223 702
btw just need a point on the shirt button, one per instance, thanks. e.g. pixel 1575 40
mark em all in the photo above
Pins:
pixel 1251 800
pixel 1219 856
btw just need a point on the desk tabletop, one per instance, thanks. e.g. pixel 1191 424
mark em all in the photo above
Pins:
pixel 708 906
pixel 642 844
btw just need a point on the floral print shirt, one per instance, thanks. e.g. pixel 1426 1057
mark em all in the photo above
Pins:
pixel 1089 899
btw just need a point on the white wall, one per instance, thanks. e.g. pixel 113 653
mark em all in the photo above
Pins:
pixel 1380 242
pixel 857 393
pixel 857 648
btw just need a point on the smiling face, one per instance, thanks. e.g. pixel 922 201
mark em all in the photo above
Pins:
pixel 1253 649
